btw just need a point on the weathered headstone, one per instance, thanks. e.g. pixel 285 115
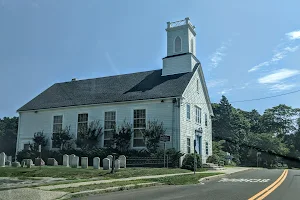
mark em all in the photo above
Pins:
pixel 75 162
pixel 84 162
pixel 110 157
pixel 26 162
pixel 2 159
pixel 39 162
pixel 52 162
pixel 23 163
pixel 9 158
pixel 8 163
pixel 71 157
pixel 96 163
pixel 122 159
pixel 117 164
pixel 15 164
pixel 106 164
pixel 66 160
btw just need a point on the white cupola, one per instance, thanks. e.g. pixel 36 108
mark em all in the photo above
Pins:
pixel 181 48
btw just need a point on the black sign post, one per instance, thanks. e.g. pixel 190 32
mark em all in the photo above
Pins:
pixel 165 138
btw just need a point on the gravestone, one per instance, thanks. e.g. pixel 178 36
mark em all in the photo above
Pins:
pixel 84 162
pixel 15 164
pixel 2 159
pixel 122 159
pixel 66 160
pixel 110 157
pixel 52 162
pixel 8 163
pixel 106 164
pixel 96 163
pixel 39 162
pixel 9 158
pixel 26 162
pixel 117 164
pixel 75 162
pixel 71 157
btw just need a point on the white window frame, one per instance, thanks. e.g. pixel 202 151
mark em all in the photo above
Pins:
pixel 109 111
pixel 174 42
pixel 188 146
pixel 197 85
pixel 188 112
pixel 87 122
pixel 197 115
pixel 205 119
pixel 52 133
pixel 132 143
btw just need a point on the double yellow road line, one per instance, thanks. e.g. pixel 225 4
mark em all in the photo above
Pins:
pixel 268 190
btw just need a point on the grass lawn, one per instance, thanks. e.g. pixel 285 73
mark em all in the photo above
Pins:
pixel 173 180
pixel 71 173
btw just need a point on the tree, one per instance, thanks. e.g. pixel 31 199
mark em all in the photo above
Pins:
pixel 8 135
pixel 39 139
pixel 122 138
pixel 279 120
pixel 152 135
pixel 62 138
pixel 89 137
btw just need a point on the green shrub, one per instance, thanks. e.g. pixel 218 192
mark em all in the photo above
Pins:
pixel 173 155
pixel 188 161
pixel 213 159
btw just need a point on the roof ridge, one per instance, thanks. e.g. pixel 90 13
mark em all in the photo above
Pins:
pixel 108 76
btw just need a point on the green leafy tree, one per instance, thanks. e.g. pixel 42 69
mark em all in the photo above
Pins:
pixel 8 135
pixel 62 139
pixel 39 139
pixel 122 138
pixel 89 137
pixel 152 135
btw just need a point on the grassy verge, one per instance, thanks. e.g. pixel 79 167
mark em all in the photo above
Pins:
pixel 71 173
pixel 172 180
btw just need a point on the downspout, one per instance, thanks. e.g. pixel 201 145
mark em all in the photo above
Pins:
pixel 173 122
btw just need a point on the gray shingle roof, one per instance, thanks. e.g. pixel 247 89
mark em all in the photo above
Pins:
pixel 127 87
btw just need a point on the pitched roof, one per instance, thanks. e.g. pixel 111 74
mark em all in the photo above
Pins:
pixel 127 87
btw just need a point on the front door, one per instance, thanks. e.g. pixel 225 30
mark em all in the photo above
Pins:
pixel 198 144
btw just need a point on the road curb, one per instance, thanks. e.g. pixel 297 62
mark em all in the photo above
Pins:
pixel 109 189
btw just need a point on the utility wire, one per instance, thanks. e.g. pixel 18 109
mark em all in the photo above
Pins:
pixel 256 99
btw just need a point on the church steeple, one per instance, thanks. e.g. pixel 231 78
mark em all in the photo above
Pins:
pixel 181 48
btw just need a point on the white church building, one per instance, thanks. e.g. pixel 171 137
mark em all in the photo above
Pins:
pixel 175 95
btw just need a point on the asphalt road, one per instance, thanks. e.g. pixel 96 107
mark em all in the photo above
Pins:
pixel 238 186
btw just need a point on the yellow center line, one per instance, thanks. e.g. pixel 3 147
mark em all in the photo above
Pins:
pixel 283 175
pixel 274 188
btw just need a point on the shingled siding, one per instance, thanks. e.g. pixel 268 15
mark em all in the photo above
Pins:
pixel 187 127
pixel 31 122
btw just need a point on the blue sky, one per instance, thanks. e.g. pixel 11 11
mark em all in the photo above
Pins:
pixel 247 49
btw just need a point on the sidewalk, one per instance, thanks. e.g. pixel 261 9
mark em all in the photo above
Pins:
pixel 52 187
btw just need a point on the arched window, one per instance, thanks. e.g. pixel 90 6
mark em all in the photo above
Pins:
pixel 192 46
pixel 177 44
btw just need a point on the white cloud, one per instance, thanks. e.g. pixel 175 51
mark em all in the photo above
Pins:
pixel 281 87
pixel 278 76
pixel 294 35
pixel 216 82
pixel 277 56
pixel 219 54
pixel 225 91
